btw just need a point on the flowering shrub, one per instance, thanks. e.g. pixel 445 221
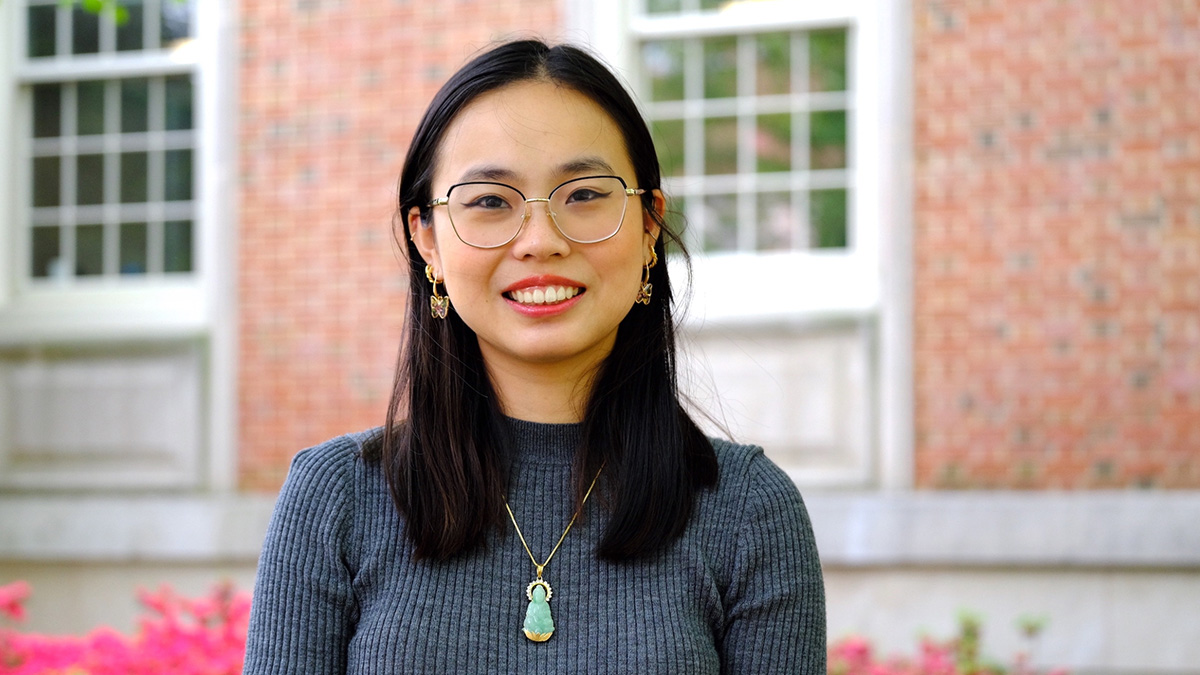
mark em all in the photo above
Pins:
pixel 200 636
pixel 958 656
pixel 207 636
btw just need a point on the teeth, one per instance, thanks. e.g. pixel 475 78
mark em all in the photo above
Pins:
pixel 544 296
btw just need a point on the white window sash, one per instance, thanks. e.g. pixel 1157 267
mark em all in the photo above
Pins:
pixel 797 284
pixel 159 306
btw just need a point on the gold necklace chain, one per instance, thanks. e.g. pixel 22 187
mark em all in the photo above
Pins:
pixel 542 566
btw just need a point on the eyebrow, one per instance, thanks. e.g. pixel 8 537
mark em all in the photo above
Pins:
pixel 488 172
pixel 492 172
pixel 586 164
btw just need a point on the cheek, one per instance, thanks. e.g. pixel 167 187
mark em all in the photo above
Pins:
pixel 624 270
pixel 467 275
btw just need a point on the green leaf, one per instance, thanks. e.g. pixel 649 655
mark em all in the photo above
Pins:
pixel 93 6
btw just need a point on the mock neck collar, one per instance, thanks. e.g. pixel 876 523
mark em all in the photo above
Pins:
pixel 545 443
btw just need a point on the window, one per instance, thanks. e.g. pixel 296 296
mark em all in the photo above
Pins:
pixel 752 131
pixel 110 173
pixel 114 371
pixel 779 131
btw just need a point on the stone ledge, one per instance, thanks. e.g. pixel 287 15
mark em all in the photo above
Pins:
pixel 135 528
pixel 860 529
pixel 1050 529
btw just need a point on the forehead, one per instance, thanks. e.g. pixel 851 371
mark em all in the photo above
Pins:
pixel 535 131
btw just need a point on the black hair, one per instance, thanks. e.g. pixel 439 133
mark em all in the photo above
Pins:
pixel 446 450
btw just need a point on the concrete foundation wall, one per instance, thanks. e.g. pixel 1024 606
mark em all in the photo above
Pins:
pixel 1116 575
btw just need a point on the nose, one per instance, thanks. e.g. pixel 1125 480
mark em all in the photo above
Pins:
pixel 539 236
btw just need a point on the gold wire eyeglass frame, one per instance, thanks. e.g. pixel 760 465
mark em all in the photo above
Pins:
pixel 445 201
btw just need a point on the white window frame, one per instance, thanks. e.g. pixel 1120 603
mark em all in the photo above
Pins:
pixel 174 306
pixel 867 283
pixel 193 309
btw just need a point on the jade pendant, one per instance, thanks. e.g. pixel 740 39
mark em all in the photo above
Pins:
pixel 539 625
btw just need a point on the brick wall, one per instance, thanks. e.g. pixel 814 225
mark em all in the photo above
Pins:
pixel 1057 239
pixel 330 94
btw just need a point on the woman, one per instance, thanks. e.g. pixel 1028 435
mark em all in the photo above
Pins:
pixel 536 397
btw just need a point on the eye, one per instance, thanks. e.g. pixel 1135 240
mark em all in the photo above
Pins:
pixel 584 194
pixel 487 203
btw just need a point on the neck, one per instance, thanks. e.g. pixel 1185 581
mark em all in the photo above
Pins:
pixel 551 393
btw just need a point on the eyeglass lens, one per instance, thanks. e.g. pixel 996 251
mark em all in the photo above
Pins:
pixel 585 210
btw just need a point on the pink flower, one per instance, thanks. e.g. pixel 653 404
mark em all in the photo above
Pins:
pixel 178 635
pixel 12 600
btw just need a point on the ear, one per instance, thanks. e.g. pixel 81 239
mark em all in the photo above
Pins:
pixel 650 223
pixel 425 239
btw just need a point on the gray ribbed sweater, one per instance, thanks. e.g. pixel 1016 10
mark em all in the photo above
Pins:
pixel 338 590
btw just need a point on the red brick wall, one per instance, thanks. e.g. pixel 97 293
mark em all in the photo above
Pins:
pixel 1057 239
pixel 329 95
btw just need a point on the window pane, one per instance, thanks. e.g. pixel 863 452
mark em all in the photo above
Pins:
pixel 90 98
pixel 134 106
pixel 676 221
pixel 47 110
pixel 720 223
pixel 45 260
pixel 662 63
pixel 177 246
pixel 827 215
pixel 89 250
pixel 179 102
pixel 85 33
pixel 43 33
pixel 46 181
pixel 773 142
pixel 134 172
pixel 133 248
pixel 89 179
pixel 130 33
pixel 720 145
pixel 827 60
pixel 178 185
pixel 176 21
pixel 720 67
pixel 668 140
pixel 773 55
pixel 776 220
pixel 662 6
pixel 827 135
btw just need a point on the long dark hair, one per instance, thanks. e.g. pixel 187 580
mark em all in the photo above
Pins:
pixel 446 448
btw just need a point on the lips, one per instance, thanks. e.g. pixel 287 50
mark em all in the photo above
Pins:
pixel 543 290
pixel 548 295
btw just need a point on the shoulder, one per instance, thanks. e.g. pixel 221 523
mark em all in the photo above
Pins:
pixel 746 473
pixel 325 480
pixel 333 461
pixel 757 499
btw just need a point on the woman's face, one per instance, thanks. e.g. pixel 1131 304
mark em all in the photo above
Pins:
pixel 535 136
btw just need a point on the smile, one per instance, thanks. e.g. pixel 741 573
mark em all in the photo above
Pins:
pixel 548 295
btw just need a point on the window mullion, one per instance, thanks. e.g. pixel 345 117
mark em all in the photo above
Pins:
pixel 108 33
pixel 157 142
pixel 747 157
pixel 693 129
pixel 152 24
pixel 112 189
pixel 802 232
pixel 104 66
pixel 62 28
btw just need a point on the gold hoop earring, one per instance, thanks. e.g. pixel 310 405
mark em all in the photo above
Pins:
pixel 439 305
pixel 643 295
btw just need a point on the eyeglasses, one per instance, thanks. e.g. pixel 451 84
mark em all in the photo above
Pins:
pixel 490 215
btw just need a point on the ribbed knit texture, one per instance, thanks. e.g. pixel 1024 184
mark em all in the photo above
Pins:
pixel 339 592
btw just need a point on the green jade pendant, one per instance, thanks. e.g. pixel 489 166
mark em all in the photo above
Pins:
pixel 539 625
